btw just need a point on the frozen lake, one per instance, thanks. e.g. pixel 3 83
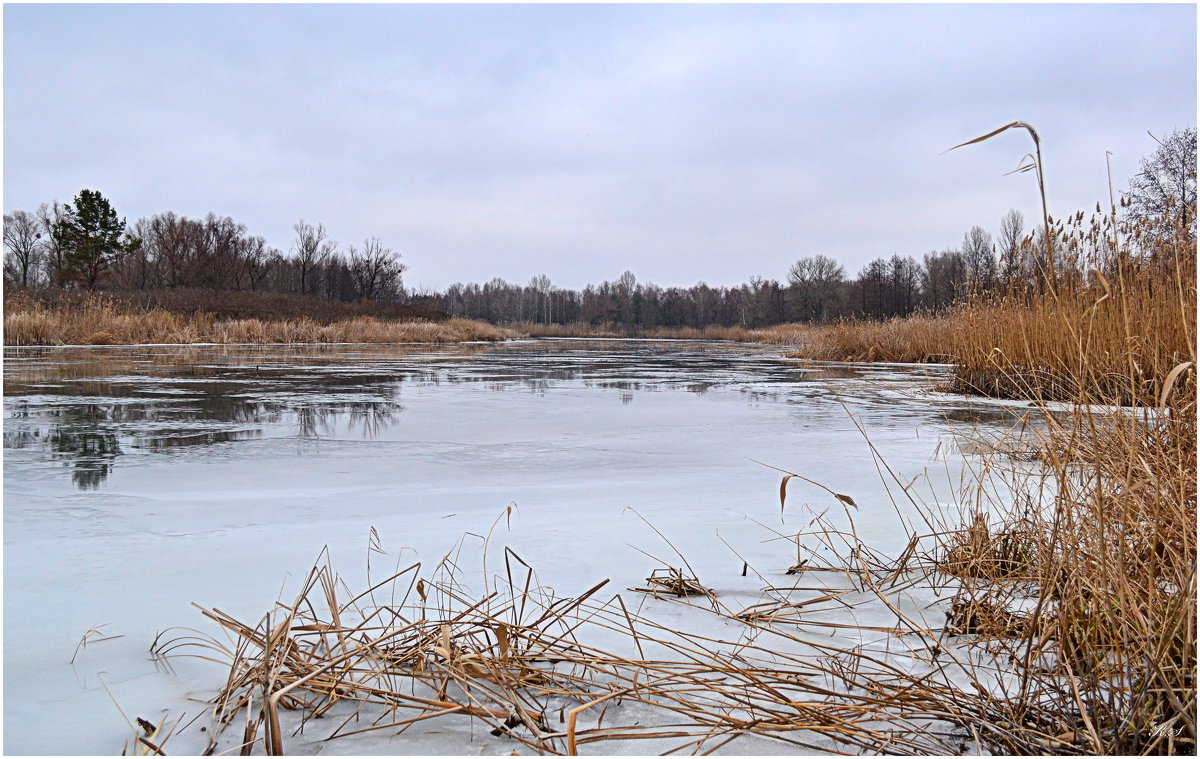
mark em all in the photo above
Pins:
pixel 140 479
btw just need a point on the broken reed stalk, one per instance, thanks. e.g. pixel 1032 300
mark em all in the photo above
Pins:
pixel 1037 167
pixel 517 656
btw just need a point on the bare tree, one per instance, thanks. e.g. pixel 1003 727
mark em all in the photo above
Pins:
pixel 904 282
pixel 943 278
pixel 542 288
pixel 1012 232
pixel 312 250
pixel 979 259
pixel 136 269
pixel 872 286
pixel 1162 196
pixel 258 260
pixel 23 247
pixel 375 270
pixel 815 282
pixel 49 217
pixel 169 241
pixel 624 291
pixel 217 251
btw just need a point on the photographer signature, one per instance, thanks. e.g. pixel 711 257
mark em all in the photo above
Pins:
pixel 1165 728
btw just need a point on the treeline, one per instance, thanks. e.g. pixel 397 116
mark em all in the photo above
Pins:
pixel 84 245
pixel 816 290
pixel 1159 205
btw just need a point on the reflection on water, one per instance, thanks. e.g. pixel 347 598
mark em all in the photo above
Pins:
pixel 978 415
pixel 185 438
pixel 88 408
pixel 89 454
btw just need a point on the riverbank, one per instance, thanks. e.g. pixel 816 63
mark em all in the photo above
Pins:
pixel 191 317
pixel 793 334
pixel 1112 338
pixel 102 320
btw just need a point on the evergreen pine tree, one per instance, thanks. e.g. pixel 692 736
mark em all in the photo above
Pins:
pixel 90 234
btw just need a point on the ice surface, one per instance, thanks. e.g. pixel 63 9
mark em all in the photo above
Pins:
pixel 138 480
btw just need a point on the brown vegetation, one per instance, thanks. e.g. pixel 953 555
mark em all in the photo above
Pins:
pixel 231 304
pixel 780 334
pixel 1113 335
pixel 915 339
pixel 68 319
pixel 1086 581
pixel 417 646
pixel 1113 339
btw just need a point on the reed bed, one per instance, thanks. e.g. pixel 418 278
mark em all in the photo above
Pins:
pixel 913 339
pixel 1085 575
pixel 779 334
pixel 232 304
pixel 1112 333
pixel 1113 338
pixel 99 320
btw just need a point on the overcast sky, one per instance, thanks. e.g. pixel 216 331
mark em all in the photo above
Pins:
pixel 686 143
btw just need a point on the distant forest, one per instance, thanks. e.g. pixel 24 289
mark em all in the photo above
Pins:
pixel 85 246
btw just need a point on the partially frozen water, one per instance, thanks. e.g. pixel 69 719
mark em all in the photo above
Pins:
pixel 138 480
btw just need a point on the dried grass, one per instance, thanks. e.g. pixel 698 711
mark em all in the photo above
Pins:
pixel 779 334
pixel 100 320
pixel 913 339
pixel 1086 581
pixel 517 659
pixel 1110 338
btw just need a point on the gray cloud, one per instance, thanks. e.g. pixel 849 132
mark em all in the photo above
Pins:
pixel 684 142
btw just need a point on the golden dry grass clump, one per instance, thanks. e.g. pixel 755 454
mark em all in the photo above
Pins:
pixel 93 321
pixel 913 339
pixel 99 320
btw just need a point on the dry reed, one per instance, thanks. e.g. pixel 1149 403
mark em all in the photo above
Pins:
pixel 98 320
pixel 1111 335
pixel 414 648
pixel 779 334
pixel 913 339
